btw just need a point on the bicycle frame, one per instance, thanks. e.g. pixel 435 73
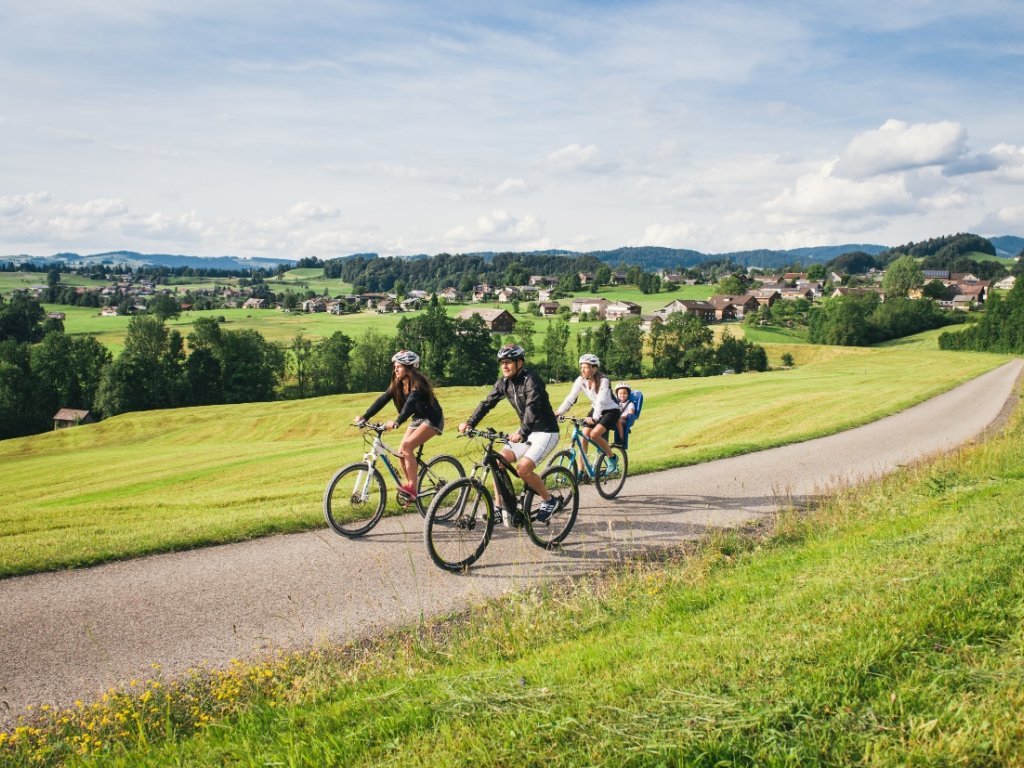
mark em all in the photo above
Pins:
pixel 378 450
pixel 494 463
pixel 578 443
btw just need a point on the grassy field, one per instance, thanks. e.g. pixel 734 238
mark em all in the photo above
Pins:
pixel 163 480
pixel 882 628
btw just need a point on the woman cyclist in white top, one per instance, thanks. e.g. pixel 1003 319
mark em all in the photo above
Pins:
pixel 604 412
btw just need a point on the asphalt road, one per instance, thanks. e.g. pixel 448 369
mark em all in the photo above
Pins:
pixel 74 634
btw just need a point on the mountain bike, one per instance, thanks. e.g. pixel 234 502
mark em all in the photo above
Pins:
pixel 608 475
pixel 355 498
pixel 461 517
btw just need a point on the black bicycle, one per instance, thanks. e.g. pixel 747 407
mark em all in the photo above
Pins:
pixel 461 517
pixel 355 498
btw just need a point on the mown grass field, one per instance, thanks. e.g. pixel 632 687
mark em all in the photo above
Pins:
pixel 163 480
pixel 884 628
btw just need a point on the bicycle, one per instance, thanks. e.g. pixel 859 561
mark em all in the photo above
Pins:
pixel 608 476
pixel 461 517
pixel 355 498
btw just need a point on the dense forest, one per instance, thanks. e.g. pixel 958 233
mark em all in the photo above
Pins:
pixel 1000 329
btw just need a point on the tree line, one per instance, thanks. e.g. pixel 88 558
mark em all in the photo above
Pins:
pixel 1001 329
pixel 42 369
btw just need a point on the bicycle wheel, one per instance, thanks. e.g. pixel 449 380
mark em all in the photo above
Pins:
pixel 456 539
pixel 354 500
pixel 561 483
pixel 609 480
pixel 436 474
pixel 564 459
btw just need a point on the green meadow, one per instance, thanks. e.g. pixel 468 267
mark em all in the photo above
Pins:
pixel 881 628
pixel 156 481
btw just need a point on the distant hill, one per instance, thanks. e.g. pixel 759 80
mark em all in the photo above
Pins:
pixel 651 258
pixel 133 259
pixel 1008 246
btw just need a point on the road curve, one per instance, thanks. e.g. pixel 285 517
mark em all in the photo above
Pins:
pixel 73 634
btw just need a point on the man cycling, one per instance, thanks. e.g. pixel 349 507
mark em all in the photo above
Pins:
pixel 526 392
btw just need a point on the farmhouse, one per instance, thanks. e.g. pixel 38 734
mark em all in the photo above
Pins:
pixel 496 320
pixel 700 309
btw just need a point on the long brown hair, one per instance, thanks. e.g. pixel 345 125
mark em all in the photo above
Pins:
pixel 416 381
pixel 594 382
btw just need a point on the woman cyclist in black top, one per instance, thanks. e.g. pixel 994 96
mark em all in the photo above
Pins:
pixel 413 395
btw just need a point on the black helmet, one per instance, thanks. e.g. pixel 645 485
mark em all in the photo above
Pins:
pixel 511 352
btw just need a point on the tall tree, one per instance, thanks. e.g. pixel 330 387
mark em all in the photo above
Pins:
pixel 556 350
pixel 902 276
pixel 332 370
pixel 626 350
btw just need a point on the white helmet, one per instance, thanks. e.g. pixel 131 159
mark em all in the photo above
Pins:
pixel 405 357
pixel 591 359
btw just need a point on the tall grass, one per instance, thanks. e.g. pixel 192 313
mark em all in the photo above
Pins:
pixel 883 628
pixel 162 480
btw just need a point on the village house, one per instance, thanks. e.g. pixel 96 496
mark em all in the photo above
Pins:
pixel 496 320
pixel 482 292
pixel 766 296
pixel 616 310
pixel 314 305
pixel 450 295
pixel 547 308
pixel 789 294
pixel 589 304
pixel 1007 283
pixel 254 303
pixel 702 310
pixel 733 307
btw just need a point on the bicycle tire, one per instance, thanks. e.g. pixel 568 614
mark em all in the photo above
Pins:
pixel 561 483
pixel 434 476
pixel 609 485
pixel 348 512
pixel 458 540
pixel 565 459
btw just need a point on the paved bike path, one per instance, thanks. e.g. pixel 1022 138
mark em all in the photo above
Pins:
pixel 73 634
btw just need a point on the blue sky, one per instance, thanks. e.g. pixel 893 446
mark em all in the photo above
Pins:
pixel 328 128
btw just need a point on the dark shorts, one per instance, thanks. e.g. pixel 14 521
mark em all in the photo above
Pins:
pixel 608 419
pixel 439 428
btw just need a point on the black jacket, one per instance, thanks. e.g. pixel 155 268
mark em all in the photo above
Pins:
pixel 415 405
pixel 528 395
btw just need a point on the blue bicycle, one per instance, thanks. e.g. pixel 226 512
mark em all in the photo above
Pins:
pixel 607 474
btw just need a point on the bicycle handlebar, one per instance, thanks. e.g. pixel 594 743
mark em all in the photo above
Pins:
pixel 373 426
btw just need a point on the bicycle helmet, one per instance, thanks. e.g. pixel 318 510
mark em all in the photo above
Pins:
pixel 511 352
pixel 593 360
pixel 623 385
pixel 405 357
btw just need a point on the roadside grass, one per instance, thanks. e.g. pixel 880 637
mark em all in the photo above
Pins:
pixel 883 627
pixel 157 481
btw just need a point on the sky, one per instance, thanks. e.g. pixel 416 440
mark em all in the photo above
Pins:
pixel 326 128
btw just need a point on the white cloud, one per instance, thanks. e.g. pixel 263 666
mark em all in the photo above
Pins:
pixel 674 235
pixel 573 157
pixel 1008 219
pixel 307 211
pixel 15 205
pixel 497 227
pixel 511 186
pixel 824 194
pixel 898 146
